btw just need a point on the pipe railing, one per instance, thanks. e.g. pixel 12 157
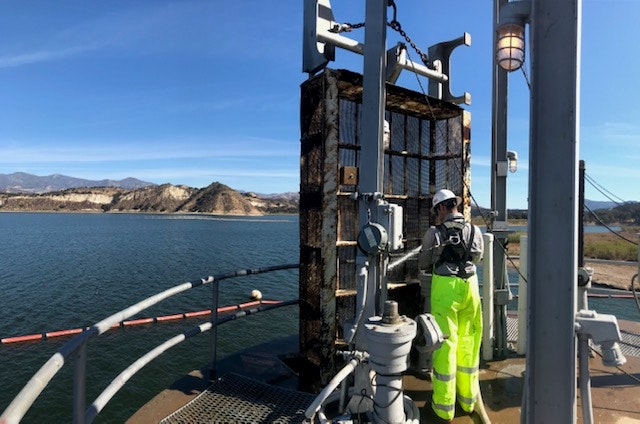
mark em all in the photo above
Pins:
pixel 118 383
pixel 76 348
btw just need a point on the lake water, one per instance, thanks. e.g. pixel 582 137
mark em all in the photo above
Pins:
pixel 61 271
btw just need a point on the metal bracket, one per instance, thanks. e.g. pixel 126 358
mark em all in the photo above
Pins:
pixel 397 61
pixel 318 18
pixel 603 330
pixel 502 297
pixel 584 276
pixel 442 52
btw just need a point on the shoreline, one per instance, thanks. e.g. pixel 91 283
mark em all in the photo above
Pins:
pixel 613 274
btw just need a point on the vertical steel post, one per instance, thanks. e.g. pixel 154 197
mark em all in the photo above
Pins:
pixel 214 329
pixel 80 384
pixel 553 167
pixel 488 337
pixel 523 313
pixel 581 214
pixel 499 184
pixel 371 153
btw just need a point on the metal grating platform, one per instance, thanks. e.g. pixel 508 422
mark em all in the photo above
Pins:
pixel 237 399
pixel 630 344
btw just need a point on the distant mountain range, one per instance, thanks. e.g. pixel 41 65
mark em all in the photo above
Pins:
pixel 60 193
pixel 166 198
pixel 21 182
pixel 30 192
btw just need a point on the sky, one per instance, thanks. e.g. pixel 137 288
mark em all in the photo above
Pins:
pixel 194 92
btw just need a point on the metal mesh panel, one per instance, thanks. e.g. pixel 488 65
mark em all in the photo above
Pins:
pixel 428 150
pixel 237 399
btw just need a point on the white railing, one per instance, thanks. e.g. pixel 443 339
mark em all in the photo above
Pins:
pixel 76 349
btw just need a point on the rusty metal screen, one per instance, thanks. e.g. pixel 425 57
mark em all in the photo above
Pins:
pixel 428 150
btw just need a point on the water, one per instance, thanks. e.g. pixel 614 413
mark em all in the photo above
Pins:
pixel 61 271
pixel 622 308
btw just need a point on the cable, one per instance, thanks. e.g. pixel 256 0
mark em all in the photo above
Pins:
pixel 607 227
pixel 602 190
pixel 526 77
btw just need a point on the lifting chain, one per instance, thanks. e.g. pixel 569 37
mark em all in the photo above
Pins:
pixel 395 25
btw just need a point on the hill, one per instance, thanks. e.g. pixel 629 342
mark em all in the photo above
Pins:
pixel 167 198
pixel 21 182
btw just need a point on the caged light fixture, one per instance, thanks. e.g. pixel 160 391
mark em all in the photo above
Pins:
pixel 510 52
pixel 512 159
pixel 510 49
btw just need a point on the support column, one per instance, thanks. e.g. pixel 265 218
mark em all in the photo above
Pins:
pixel 553 202
pixel 499 188
pixel 371 161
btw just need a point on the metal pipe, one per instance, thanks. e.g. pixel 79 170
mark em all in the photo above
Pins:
pixel 361 300
pixel 30 392
pixel 585 379
pixel 331 386
pixel 359 48
pixel 487 298
pixel 522 298
pixel 80 384
pixel 341 41
pixel 214 332
pixel 581 214
pixel 371 164
pixel 499 181
pixel 420 69
pixel 119 382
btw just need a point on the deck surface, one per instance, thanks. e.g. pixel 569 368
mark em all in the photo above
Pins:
pixel 615 391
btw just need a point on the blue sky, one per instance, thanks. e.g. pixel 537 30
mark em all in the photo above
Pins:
pixel 192 92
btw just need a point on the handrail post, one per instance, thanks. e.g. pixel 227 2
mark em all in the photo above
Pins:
pixel 79 384
pixel 488 338
pixel 214 330
pixel 522 298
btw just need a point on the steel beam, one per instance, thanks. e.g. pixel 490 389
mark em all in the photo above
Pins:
pixel 553 203
pixel 499 186
pixel 371 161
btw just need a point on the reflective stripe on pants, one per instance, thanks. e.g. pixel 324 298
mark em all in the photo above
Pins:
pixel 455 304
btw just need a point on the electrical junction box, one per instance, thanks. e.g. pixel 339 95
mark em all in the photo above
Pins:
pixel 390 216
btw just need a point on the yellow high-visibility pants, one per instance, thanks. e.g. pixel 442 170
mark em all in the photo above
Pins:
pixel 455 304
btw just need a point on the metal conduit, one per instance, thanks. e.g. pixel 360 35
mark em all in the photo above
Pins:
pixel 30 392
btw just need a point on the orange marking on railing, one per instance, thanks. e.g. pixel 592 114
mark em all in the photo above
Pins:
pixel 170 317
pixel 63 332
pixel 138 321
pixel 142 321
pixel 197 314
pixel 22 338
pixel 228 308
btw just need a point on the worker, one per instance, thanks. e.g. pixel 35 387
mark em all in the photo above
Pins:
pixel 449 252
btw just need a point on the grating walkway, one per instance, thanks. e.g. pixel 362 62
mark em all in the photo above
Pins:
pixel 237 399
pixel 630 344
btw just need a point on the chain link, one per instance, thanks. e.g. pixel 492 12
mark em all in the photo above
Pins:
pixel 395 25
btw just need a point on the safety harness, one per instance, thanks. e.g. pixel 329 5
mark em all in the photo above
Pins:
pixel 456 250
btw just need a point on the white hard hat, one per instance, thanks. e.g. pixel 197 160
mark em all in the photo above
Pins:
pixel 442 195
